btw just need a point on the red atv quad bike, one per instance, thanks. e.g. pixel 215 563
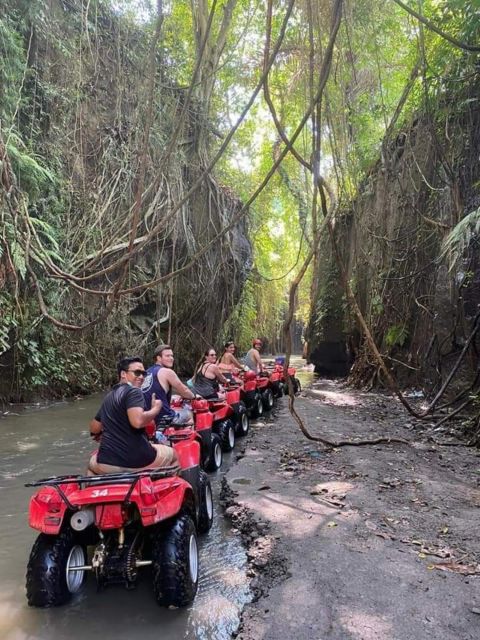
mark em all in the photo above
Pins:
pixel 280 376
pixel 276 382
pixel 240 415
pixel 132 520
pixel 210 446
pixel 264 388
pixel 250 394
pixel 297 387
pixel 223 422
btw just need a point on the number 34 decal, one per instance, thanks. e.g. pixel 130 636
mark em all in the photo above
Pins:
pixel 98 493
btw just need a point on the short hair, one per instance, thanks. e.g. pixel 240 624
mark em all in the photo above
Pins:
pixel 124 363
pixel 160 349
pixel 257 341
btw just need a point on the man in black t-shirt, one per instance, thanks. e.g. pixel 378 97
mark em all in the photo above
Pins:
pixel 121 422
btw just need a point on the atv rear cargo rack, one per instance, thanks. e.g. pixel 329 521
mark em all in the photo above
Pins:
pixel 106 479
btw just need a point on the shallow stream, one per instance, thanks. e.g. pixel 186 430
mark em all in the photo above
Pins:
pixel 53 441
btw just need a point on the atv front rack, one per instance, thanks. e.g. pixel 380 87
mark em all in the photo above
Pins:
pixel 127 477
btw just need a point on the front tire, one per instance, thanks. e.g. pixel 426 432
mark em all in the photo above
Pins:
pixel 175 563
pixel 205 515
pixel 50 580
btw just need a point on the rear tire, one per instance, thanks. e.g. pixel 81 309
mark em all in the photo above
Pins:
pixel 267 399
pixel 257 409
pixel 205 515
pixel 49 581
pixel 278 390
pixel 175 563
pixel 227 435
pixel 216 455
pixel 243 423
pixel 297 387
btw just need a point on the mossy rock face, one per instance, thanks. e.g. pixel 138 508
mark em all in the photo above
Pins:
pixel 331 359
pixel 419 310
pixel 326 335
pixel 74 152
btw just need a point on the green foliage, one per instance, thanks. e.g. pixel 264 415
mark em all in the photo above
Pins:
pixel 8 322
pixel 329 305
pixel 241 325
pixel 376 305
pixel 41 364
pixel 460 238
pixel 12 61
pixel 32 177
pixel 72 98
pixel 396 336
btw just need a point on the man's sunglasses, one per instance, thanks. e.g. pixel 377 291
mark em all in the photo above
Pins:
pixel 137 372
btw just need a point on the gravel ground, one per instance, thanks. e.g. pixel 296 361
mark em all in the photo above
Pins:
pixel 356 543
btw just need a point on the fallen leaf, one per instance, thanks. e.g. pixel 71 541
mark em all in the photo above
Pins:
pixel 384 535
pixel 464 569
pixel 443 552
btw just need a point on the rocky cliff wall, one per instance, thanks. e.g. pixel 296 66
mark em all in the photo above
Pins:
pixel 391 237
pixel 74 103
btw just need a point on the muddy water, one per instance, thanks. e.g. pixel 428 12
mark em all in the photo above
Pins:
pixel 305 376
pixel 54 441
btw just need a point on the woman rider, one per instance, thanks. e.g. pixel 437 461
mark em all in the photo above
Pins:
pixel 228 364
pixel 207 379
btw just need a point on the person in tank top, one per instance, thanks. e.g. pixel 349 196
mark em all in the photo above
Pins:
pixel 208 377
pixel 253 359
pixel 160 380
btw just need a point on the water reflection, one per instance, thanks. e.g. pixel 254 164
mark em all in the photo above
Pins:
pixel 55 441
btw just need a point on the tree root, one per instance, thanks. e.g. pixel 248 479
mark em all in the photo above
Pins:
pixel 335 443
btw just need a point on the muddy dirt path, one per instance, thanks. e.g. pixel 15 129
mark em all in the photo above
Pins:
pixel 359 543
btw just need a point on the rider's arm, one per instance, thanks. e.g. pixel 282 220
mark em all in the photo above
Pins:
pixel 236 363
pixel 137 416
pixel 96 428
pixel 258 360
pixel 218 374
pixel 178 385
